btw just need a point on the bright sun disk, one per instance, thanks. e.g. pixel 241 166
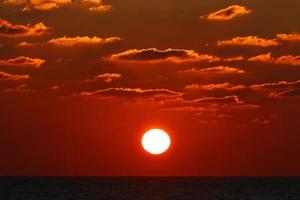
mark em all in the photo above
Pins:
pixel 156 141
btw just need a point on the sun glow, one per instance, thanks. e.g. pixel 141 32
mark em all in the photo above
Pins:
pixel 156 141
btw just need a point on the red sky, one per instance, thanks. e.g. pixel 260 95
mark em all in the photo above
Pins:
pixel 81 81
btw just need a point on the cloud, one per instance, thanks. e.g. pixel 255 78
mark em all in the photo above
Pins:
pixel 54 87
pixel 288 60
pixel 262 58
pixel 12 77
pixel 14 2
pixel 14 31
pixel 82 41
pixel 229 86
pixel 100 8
pixel 276 85
pixel 286 93
pixel 26 44
pixel 218 100
pixel 213 70
pixel 19 89
pixel 168 55
pixel 22 61
pixel 106 77
pixel 285 60
pixel 95 5
pixel 215 86
pixel 280 89
pixel 131 93
pixel 43 5
pixel 211 104
pixel 261 121
pixel 227 13
pixel 249 41
pixel 292 37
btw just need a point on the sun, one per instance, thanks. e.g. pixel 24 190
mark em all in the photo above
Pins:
pixel 156 141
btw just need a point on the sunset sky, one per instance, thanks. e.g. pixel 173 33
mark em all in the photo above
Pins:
pixel 82 80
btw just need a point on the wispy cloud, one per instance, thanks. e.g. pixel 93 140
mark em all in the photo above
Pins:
pixel 82 41
pixel 12 77
pixel 227 13
pixel 131 93
pixel 214 86
pixel 212 70
pixel 19 89
pixel 28 5
pixel 249 41
pixel 285 93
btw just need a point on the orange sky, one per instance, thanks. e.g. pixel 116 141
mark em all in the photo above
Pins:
pixel 82 80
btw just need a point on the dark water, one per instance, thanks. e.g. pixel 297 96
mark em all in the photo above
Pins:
pixel 89 188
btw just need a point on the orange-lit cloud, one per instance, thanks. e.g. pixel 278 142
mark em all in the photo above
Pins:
pixel 292 37
pixel 106 77
pixel 22 61
pixel 100 8
pixel 14 31
pixel 284 60
pixel 12 77
pixel 82 41
pixel 213 70
pixel 227 13
pixel 28 5
pixel 168 55
pixel 132 93
pixel 25 44
pixel 248 41
pixel 214 86
pixel 95 5
pixel 273 86
pixel 276 85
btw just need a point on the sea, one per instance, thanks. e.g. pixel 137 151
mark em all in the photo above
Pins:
pixel 150 188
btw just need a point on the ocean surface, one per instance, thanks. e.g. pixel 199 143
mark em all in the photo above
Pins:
pixel 156 188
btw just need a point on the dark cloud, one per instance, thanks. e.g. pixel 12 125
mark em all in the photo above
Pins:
pixel 168 55
pixel 131 93
pixel 106 77
pixel 286 93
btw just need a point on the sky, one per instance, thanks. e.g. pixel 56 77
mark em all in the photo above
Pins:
pixel 82 80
